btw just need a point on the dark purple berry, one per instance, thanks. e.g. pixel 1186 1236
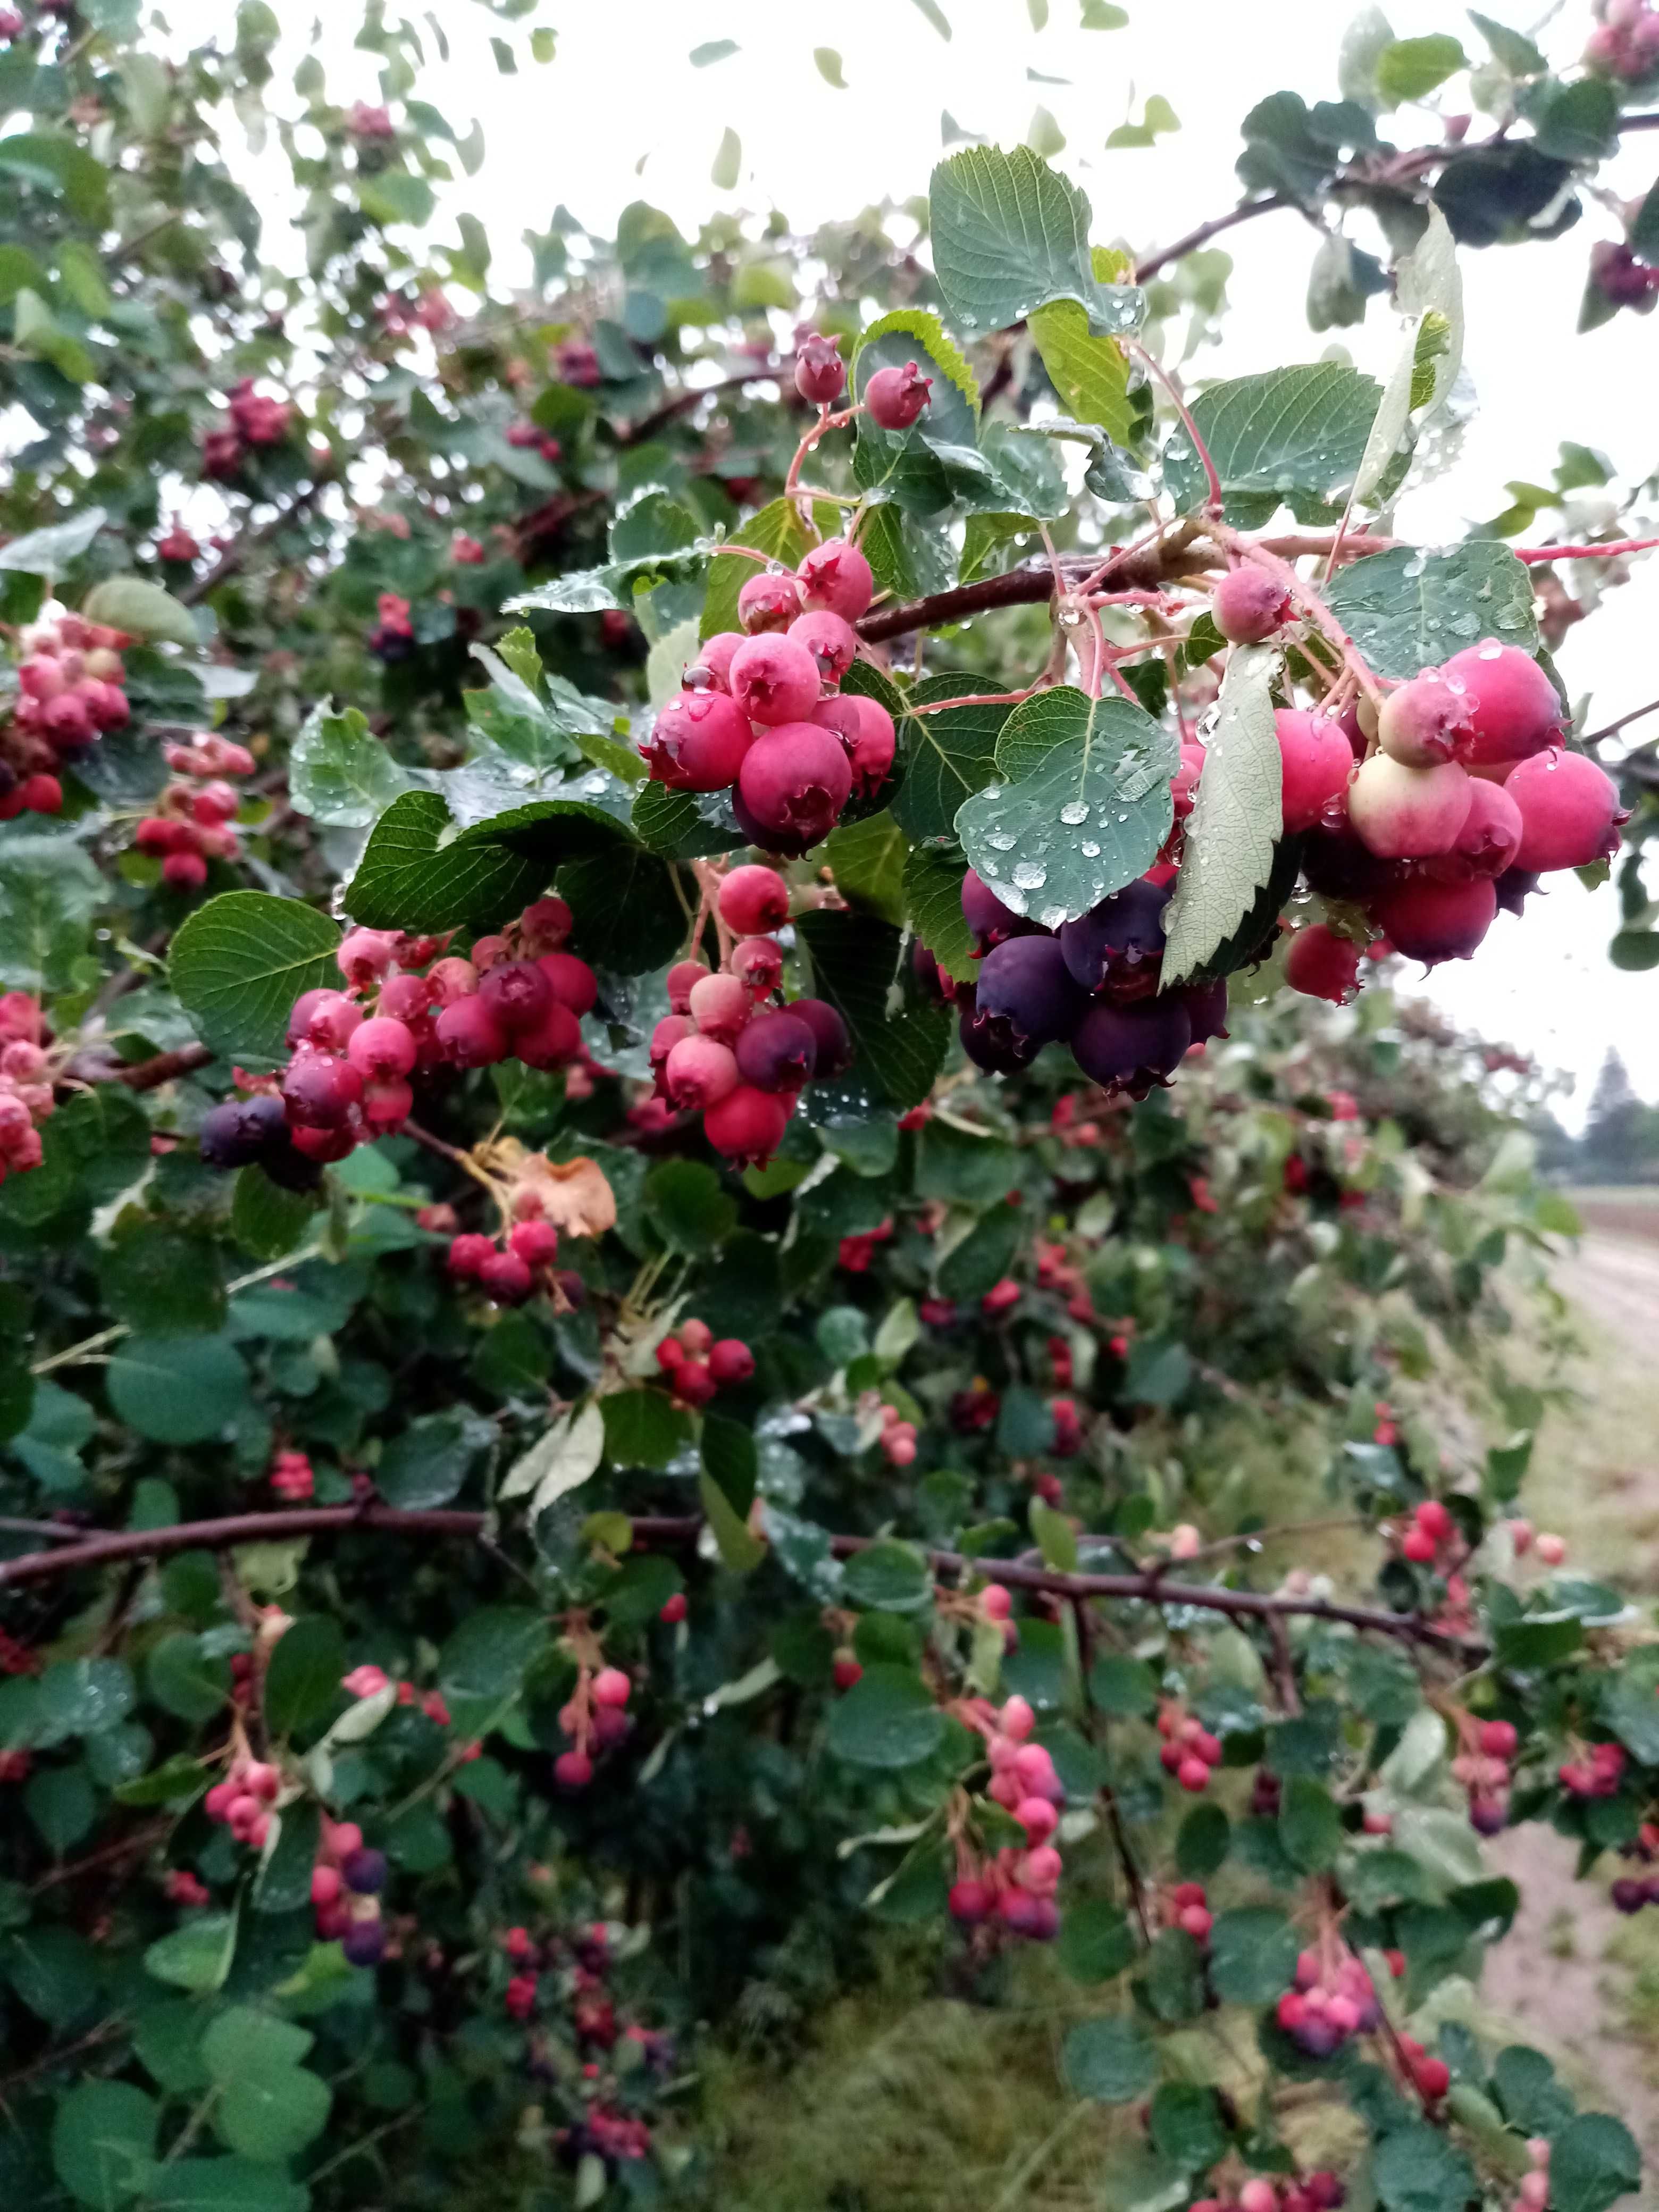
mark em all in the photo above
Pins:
pixel 243 1130
pixel 364 1942
pixel 834 1046
pixel 989 922
pixel 364 1871
pixel 1117 947
pixel 1026 994
pixel 1133 1048
pixel 777 1052
pixel 1206 1009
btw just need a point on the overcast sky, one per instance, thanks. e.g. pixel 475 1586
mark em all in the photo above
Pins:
pixel 620 114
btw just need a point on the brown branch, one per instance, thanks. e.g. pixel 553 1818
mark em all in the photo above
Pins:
pixel 235 555
pixel 1203 233
pixel 685 403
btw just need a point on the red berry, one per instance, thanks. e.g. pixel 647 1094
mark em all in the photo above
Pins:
pixel 382 1046
pixel 185 871
pixel 692 1383
pixel 1425 723
pixel 674 1609
pixel 1569 808
pixel 836 577
pixel 1419 1546
pixel 865 729
pixel 1498 1739
pixel 451 980
pixel 506 1278
pixel 699 1073
pixel 1431 921
pixel 1315 761
pixel 714 660
pixel 699 741
pixel 970 1901
pixel 1193 1774
pixel 1407 813
pixel 895 397
pixel 846 1671
pixel 730 1361
pixel 1322 965
pixel 754 899
pixel 832 643
pixel 41 795
pixel 518 992
pixel 1436 1518
pixel 612 1687
pixel 319 1089
pixel 1250 604
pixel 556 1041
pixel 769 601
pixel 820 371
pixel 573 1770
pixel 1513 709
pixel 774 681
pixel 681 977
pixel 536 1243
pixel 747 1126
pixel 795 780
pixel 469 1036
pixel 1487 842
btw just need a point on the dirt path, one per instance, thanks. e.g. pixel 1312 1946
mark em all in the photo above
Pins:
pixel 1615 1280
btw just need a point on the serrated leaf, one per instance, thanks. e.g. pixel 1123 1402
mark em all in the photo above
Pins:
pixel 948 756
pixel 339 774
pixel 415 874
pixel 1091 374
pixel 886 1721
pixel 1408 611
pixel 1294 437
pixel 129 602
pixel 1110 2060
pixel 50 889
pixel 899 1046
pixel 1416 2169
pixel 1082 808
pixel 1237 817
pixel 239 964
pixel 1009 234
pixel 932 898
pixel 1253 1953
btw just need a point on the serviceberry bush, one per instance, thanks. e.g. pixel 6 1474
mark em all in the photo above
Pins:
pixel 690 1277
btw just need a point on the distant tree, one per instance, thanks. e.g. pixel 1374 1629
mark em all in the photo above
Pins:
pixel 1620 1142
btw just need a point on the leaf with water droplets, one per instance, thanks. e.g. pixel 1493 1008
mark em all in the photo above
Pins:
pixel 1009 234
pixel 1080 808
pixel 1408 611
pixel 1294 437
pixel 1237 820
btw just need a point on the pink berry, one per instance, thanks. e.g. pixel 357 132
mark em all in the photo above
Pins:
pixel 1434 922
pixel 769 601
pixel 667 1033
pixel 365 955
pixel 836 577
pixel 895 397
pixel 1322 965
pixel 469 1036
pixel 747 1126
pixel 754 899
pixel 1514 711
pixel 820 371
pixel 612 1687
pixel 730 1360
pixel 774 681
pixel 331 1019
pixel 1569 809
pixel 1315 762
pixel 681 977
pixel 700 739
pixel 758 963
pixel 719 1005
pixel 382 1046
pixel 1258 2194
pixel 556 1041
pixel 1419 1546
pixel 468 1253
pixel 1407 813
pixel 536 1243
pixel 693 1383
pixel 571 981
pixel 697 1337
pixel 699 1073
pixel 451 979
pixel 519 993
pixel 320 1090
pixel 1425 723
pixel 1193 1774
pixel 1551 1550
pixel 865 729
pixel 1489 839
pixel 714 660
pixel 673 1609
pixel 573 1770
pixel 795 780
pixel 832 643
pixel 506 1279
pixel 1249 606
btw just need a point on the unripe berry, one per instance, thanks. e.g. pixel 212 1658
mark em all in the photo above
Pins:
pixel 833 1054
pixel 696 1337
pixel 1315 761
pixel 730 1361
pixel 769 601
pixel 1258 2194
pixel 699 1073
pixel 519 993
pixel 777 1052
pixel 774 681
pixel 832 643
pixel 758 963
pixel 1193 1775
pixel 970 1902
pixel 1407 813
pixel 1487 842
pixel 573 1770
pixel 674 1609
pixel 692 1383
pixel 1569 809
pixel 753 899
pixel 382 1046
pixel 681 977
pixel 699 740
pixel 450 979
pixel 571 981
pixel 1436 1517
pixel 469 1036
pixel 714 660
pixel 1418 1546
pixel 544 925
pixel 795 780
pixel 1425 723
pixel 836 577
pixel 895 397
pixel 1514 711
pixel 41 795
pixel 667 1033
pixel 1249 606
pixel 363 956
pixel 820 371
pixel 719 1006
pixel 506 1279
pixel 747 1126
pixel 1552 1550
pixel 1498 1739
pixel 1431 921
pixel 1322 965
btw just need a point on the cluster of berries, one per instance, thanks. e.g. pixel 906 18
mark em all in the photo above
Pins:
pixel 532 436
pixel 182 1887
pixel 594 1719
pixel 1625 43
pixel 291 1478
pixel 363 121
pixel 697 1363
pixel 1482 1767
pixel 761 712
pixel 346 1883
pixel 1550 1551
pixel 1057 1271
pixel 1319 2192
pixel 242 1801
pixel 428 311
pixel 1534 2193
pixel 1093 983
pixel 898 1438
pixel 973 1409
pixel 1431 1535
pixel 722 1051
pixel 1332 1999
pixel 1430 2077
pixel 392 638
pixel 1188 1751
pixel 178 546
pixel 510 1273
pixel 70 682
pixel 1597 1774
pixel 1468 797
pixel 26 1093
pixel 191 823
pixel 1631 1892
pixel 348 1081
pixel 1018 1886
pixel 467 551
pixel 577 361
pixel 1187 1906
pixel 255 421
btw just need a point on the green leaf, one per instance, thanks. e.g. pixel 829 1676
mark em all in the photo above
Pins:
pixel 887 1721
pixel 1009 234
pixel 962 1169
pixel 177 1390
pixel 1083 807
pixel 285 1871
pixel 197 1956
pixel 1294 437
pixel 933 897
pixel 1096 1940
pixel 185 1680
pixel 1309 1824
pixel 49 891
pixel 948 756
pixel 413 876
pixel 163 1278
pixel 129 602
pixel 51 550
pixel 273 2115
pixel 728 163
pixel 425 1463
pixel 1102 15
pixel 1056 1537
pixel 238 964
pixel 1516 52
pixel 244 2041
pixel 741 1550
pixel 1595 2160
pixel 222 2184
pixel 265 1220
pixel 302 1681
pixel 1110 2060
pixel 1125 1689
pixel 642 1428
pixel 1416 2169
pixel 868 859
pixel 889 1577
pixel 1408 611
pixel 935 15
pixel 1411 68
pixel 1186 2125
pixel 340 775
pixel 58 165
pixel 1202 1842
pixel 392 198
pixel 828 67
pixel 82 1698
pixel 1576 122
pixel 1090 374
pixel 103 2138
pixel 482 1664
pixel 1253 1955
pixel 713 49
pixel 689 1207
pixel 1237 818
pixel 855 966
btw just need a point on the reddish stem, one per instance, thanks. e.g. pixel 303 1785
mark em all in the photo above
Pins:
pixel 1534 556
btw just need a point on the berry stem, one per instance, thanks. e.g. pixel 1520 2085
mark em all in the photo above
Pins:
pixel 1212 505
pixel 1534 556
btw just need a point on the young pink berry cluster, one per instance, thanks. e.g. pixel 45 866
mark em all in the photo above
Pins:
pixel 1320 2191
pixel 11 23
pixel 1625 43
pixel 1482 1768
pixel 363 121
pixel 761 712
pixel 1597 1773
pixel 1057 1271
pixel 1188 1751
pixel 531 435
pixel 177 545
pixel 594 1719
pixel 1188 1907
pixel 697 1363
pixel 346 1883
pixel 242 1801
pixel 512 1273
pixel 1018 1886
pixel 723 1051
pixel 1534 2193
pixel 69 690
pixel 1631 1892
pixel 191 821
pixel 291 1478
pixel 1467 798
pixel 898 1438
pixel 996 1605
pixel 1432 1538
pixel 256 422
pixel 1334 1998
pixel 1430 2077
pixel 25 1091
pixel 466 551
pixel 182 1887
pixel 393 638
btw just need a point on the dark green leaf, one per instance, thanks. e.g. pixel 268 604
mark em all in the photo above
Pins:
pixel 239 964
pixel 302 1681
pixel 887 1720
pixel 1253 1955
pixel 1110 2060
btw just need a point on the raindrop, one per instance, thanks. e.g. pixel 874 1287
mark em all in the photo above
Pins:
pixel 1002 840
pixel 593 783
pixel 1030 875
pixel 1415 566
pixel 1075 810
pixel 1052 917
pixel 1491 653
pixel 1091 850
